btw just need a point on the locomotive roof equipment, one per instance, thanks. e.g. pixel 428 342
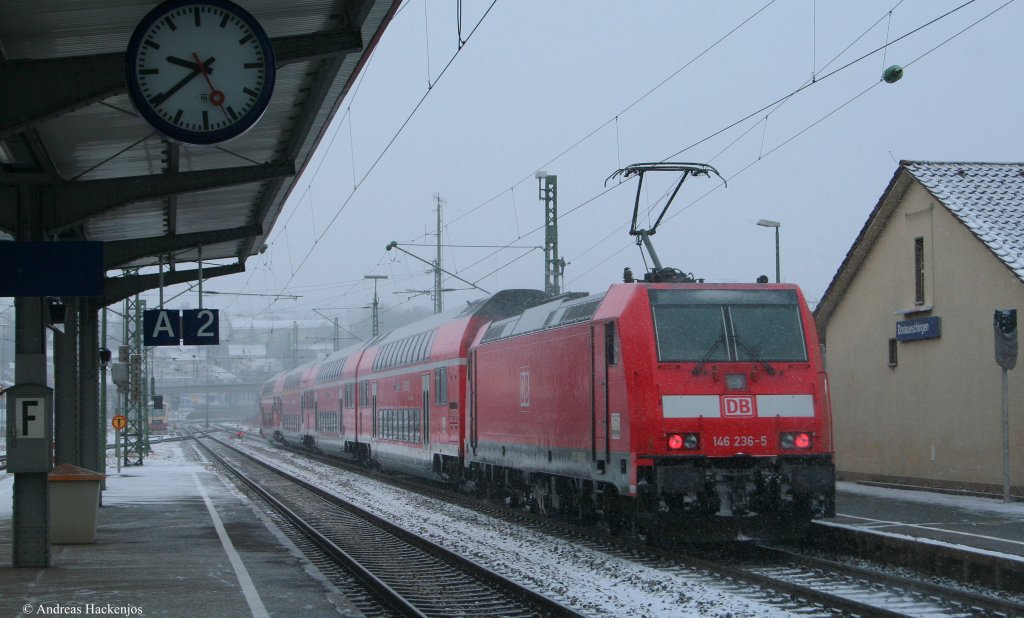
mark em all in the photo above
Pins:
pixel 658 272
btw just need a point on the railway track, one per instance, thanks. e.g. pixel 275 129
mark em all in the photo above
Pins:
pixel 777 576
pixel 410 575
pixel 903 596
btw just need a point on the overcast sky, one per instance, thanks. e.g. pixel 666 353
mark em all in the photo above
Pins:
pixel 582 88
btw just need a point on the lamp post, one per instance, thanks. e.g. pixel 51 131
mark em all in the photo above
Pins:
pixel 776 225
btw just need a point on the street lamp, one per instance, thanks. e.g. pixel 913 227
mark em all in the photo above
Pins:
pixel 776 225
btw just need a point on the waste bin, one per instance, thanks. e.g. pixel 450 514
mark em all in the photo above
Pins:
pixel 74 502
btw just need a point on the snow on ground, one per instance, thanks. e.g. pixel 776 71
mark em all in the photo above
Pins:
pixel 966 503
pixel 591 581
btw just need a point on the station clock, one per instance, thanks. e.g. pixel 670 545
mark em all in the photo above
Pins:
pixel 200 71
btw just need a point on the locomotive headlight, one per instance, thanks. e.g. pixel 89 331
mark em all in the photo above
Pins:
pixel 795 441
pixel 735 381
pixel 683 441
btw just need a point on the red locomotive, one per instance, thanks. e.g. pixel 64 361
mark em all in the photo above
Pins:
pixel 695 410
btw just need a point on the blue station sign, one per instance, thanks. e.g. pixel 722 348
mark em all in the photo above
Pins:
pixel 920 328
pixel 174 327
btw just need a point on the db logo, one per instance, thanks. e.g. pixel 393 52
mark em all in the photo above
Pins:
pixel 738 406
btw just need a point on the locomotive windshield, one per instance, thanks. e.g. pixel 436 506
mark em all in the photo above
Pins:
pixel 727 325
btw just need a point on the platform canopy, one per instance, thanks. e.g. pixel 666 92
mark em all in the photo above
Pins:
pixel 77 162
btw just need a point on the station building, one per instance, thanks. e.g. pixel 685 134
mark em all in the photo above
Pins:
pixel 907 324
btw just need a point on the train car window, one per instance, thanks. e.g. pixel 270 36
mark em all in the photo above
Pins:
pixel 399 350
pixel 418 345
pixel 727 325
pixel 415 345
pixel 441 386
pixel 392 359
pixel 581 312
pixel 428 340
pixel 410 349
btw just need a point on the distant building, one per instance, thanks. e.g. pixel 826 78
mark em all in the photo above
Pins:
pixel 908 327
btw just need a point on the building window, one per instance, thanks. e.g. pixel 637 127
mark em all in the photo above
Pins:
pixel 892 353
pixel 919 271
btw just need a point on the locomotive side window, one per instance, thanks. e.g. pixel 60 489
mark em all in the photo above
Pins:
pixel 727 325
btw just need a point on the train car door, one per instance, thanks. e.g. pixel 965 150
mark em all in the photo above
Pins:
pixel 426 407
pixel 373 407
pixel 602 348
pixel 471 408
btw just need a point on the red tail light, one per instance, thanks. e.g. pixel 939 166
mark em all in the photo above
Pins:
pixel 683 441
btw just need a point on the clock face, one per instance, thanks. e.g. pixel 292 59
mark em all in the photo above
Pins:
pixel 200 71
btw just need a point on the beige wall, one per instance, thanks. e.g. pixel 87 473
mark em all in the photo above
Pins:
pixel 936 416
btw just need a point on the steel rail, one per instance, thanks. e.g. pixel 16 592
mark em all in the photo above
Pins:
pixel 525 594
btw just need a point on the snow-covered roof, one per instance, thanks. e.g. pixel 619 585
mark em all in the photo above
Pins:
pixel 988 198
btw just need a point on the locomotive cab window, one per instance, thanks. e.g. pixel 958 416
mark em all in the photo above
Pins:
pixel 727 325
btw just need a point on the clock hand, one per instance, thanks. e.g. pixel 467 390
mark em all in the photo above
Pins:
pixel 188 64
pixel 158 99
pixel 216 96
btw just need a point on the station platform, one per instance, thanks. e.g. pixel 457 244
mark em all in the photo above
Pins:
pixel 172 539
pixel 979 523
pixel 175 539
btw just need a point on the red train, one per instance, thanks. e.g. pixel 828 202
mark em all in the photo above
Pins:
pixel 692 409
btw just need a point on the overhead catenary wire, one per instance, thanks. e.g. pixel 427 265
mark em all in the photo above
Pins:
pixel 788 140
pixel 615 119
pixel 386 148
pixel 796 91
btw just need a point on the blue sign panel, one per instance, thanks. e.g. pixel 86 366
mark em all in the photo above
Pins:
pixel 201 326
pixel 71 268
pixel 921 328
pixel 161 327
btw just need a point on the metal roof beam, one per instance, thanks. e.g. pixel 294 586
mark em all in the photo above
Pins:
pixel 34 91
pixel 305 47
pixel 119 288
pixel 120 252
pixel 75 201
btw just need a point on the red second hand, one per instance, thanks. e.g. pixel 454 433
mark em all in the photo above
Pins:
pixel 216 96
